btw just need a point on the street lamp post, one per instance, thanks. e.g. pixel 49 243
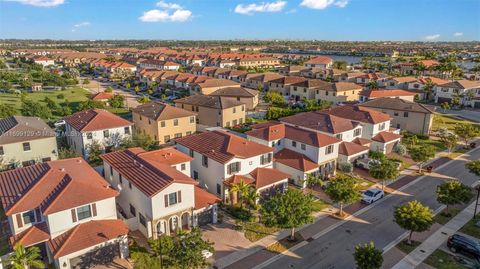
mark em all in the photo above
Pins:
pixel 476 202
pixel 159 235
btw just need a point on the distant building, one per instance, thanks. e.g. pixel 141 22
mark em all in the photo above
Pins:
pixel 323 62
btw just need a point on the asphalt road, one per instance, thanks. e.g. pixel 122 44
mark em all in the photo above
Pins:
pixel 334 249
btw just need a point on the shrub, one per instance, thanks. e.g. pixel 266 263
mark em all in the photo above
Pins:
pixel 377 155
pixel 61 96
pixel 240 213
pixel 400 149
pixel 345 167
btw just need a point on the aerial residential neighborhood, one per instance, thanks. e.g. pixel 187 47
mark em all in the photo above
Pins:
pixel 240 134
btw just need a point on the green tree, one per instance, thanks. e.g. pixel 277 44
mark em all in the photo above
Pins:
pixel 139 139
pixel 94 151
pixel 273 97
pixel 343 190
pixel 453 192
pixel 143 100
pixel 64 110
pixel 367 256
pixel 372 84
pixel 128 85
pixel 25 258
pixel 449 140
pixel 35 109
pixel 422 154
pixel 238 190
pixel 6 111
pixel 86 81
pixel 109 89
pixel 466 131
pixel 50 103
pixel 136 89
pixel 67 153
pixel 473 167
pixel 342 65
pixel 288 211
pixel 90 104
pixel 428 89
pixel 384 170
pixel 413 217
pixel 445 106
pixel 312 181
pixel 187 251
pixel 117 101
pixel 251 197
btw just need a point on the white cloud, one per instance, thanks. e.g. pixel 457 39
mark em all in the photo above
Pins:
pixel 156 15
pixel 323 4
pixel 80 25
pixel 166 5
pixel 291 11
pixel 40 3
pixel 432 37
pixel 458 34
pixel 260 7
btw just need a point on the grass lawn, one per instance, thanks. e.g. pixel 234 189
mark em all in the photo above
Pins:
pixel 255 231
pixel 284 244
pixel 471 228
pixel 446 121
pixel 442 260
pixel 442 219
pixel 406 248
pixel 363 184
pixel 319 205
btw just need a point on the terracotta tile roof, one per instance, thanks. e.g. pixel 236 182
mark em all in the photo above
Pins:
pixel 404 79
pixel 340 86
pixel 19 128
pixel 217 82
pixel 461 84
pixel 268 132
pixel 288 80
pixel 320 60
pixel 397 104
pixel 33 235
pixel 259 177
pixel 323 122
pixel 53 186
pixel 310 137
pixel 86 235
pixel 371 94
pixel 349 148
pixel 168 155
pixel 203 198
pixel 360 114
pixel 295 160
pixel 434 80
pixel 95 119
pixel 362 141
pixel 264 77
pixel 429 63
pixel 235 92
pixel 158 111
pixel 222 146
pixel 385 137
pixel 312 84
pixel 149 176
pixel 217 102
pixel 102 96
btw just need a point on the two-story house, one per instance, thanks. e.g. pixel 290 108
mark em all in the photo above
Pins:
pixel 298 152
pixel 338 92
pixel 214 110
pixel 25 141
pixel 219 155
pixel 244 95
pixel 282 85
pixel 468 91
pixel 157 195
pixel 323 62
pixel 163 122
pixel 66 209
pixel 85 127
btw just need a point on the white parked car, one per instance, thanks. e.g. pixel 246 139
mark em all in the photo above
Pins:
pixel 206 254
pixel 59 123
pixel 372 195
pixel 365 163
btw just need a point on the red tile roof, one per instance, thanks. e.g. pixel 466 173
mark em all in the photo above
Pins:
pixel 310 137
pixel 159 111
pixel 86 235
pixel 295 160
pixel 320 60
pixel 33 235
pixel 360 114
pixel 273 131
pixel 148 174
pixel 168 155
pixel 385 93
pixel 53 186
pixel 349 148
pixel 95 119
pixel 102 96
pixel 319 121
pixel 362 141
pixel 222 146
pixel 385 137
pixel 203 198
pixel 259 177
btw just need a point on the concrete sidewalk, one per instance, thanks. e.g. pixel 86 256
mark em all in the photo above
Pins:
pixel 417 256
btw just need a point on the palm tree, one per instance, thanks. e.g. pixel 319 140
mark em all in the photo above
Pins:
pixel 251 197
pixel 420 68
pixel 239 189
pixel 428 88
pixel 372 84
pixel 313 180
pixel 25 258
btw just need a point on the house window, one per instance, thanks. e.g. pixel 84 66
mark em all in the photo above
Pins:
pixel 28 217
pixel 172 198
pixel 120 178
pixel 84 212
pixel 183 167
pixel 175 122
pixel 266 158
pixel 191 153
pixel 219 189
pixel 204 160
pixel 162 124
pixel 142 219
pixel 192 119
pixel 133 210
pixel 405 114
pixel 294 144
pixel 243 108
pixel 26 146
pixel 129 185
pixel 106 133
pixel 166 138
pixel 303 146
pixel 28 163
pixel 89 135
pixel 357 132
pixel 195 175
pixel 339 136
pixel 233 168
pixel 149 122
pixel 126 130
pixel 234 110
pixel 178 135
pixel 188 133
pixel 1 151
pixel 234 122
pixel 329 149
pixel 395 113
pixel 382 126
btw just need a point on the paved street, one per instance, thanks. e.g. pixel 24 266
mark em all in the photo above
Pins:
pixel 470 114
pixel 95 87
pixel 334 249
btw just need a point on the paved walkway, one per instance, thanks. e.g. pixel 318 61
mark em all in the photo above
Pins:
pixel 417 256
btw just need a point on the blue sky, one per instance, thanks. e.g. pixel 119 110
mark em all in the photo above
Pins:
pixel 419 20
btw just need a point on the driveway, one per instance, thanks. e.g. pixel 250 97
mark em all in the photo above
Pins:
pixel 96 86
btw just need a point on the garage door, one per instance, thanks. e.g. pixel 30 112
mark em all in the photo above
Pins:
pixel 389 147
pixel 442 100
pixel 205 217
pixel 476 104
pixel 100 256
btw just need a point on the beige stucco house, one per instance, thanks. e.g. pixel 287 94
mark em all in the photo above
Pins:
pixel 244 95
